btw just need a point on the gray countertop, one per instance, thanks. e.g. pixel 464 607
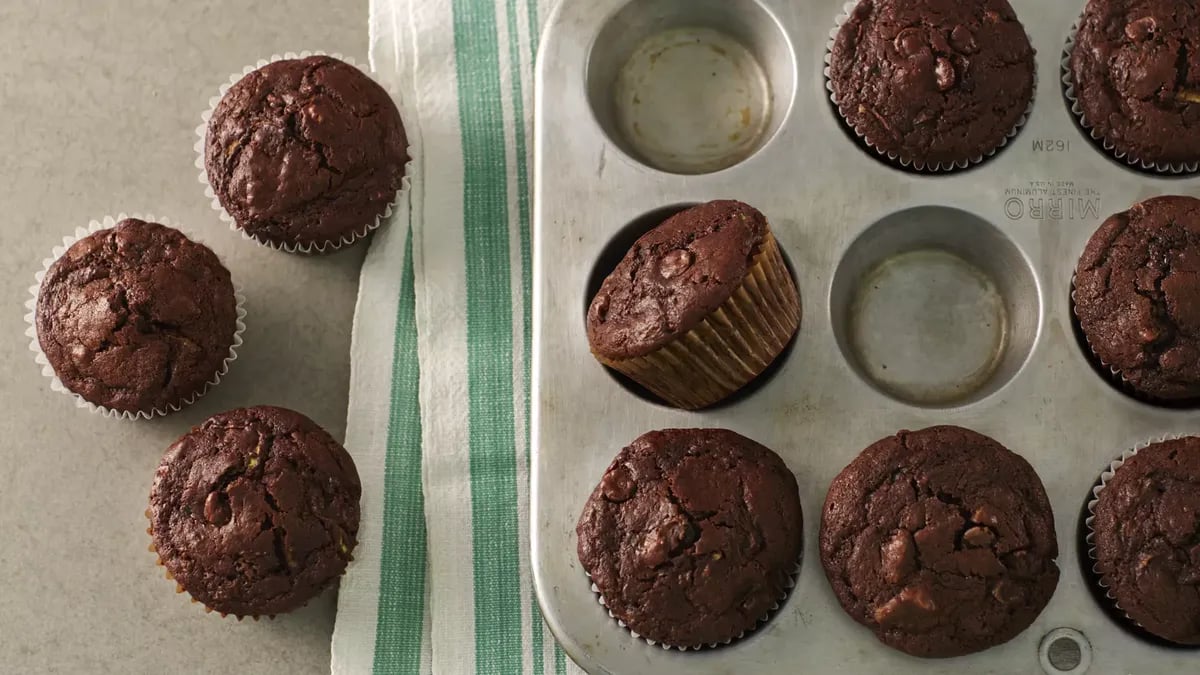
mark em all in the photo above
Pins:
pixel 99 100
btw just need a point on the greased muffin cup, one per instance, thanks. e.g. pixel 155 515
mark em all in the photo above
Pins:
pixel 1100 485
pixel 914 164
pixel 40 358
pixel 1072 96
pixel 407 120
pixel 688 356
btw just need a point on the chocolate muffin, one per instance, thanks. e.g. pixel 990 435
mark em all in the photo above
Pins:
pixel 1146 532
pixel 1137 298
pixel 1135 73
pixel 692 535
pixel 941 541
pixel 255 512
pixel 137 318
pixel 932 84
pixel 699 307
pixel 306 153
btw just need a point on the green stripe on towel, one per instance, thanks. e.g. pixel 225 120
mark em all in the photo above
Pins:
pixel 402 561
pixel 489 341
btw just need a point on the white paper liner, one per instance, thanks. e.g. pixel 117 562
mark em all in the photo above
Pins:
pixel 1068 81
pixel 1089 521
pixel 789 584
pixel 894 158
pixel 311 248
pixel 48 371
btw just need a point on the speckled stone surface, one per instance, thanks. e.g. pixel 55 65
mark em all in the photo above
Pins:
pixel 101 103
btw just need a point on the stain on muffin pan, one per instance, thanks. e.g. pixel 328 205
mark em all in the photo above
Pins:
pixel 959 284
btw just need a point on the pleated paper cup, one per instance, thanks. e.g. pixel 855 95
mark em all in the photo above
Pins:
pixel 911 163
pixel 729 348
pixel 1072 95
pixel 313 248
pixel 56 383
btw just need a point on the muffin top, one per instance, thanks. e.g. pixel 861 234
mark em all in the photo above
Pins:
pixel 1136 66
pixel 673 277
pixel 136 317
pixel 305 151
pixel 692 535
pixel 1137 296
pixel 933 81
pixel 1147 538
pixel 255 511
pixel 941 541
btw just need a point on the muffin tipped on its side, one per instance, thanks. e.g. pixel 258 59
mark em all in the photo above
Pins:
pixel 699 307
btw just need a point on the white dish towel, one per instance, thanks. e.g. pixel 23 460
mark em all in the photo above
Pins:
pixel 439 386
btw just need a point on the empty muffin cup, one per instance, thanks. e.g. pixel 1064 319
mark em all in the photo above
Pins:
pixel 691 87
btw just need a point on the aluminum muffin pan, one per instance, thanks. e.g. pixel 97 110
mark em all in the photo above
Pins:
pixel 927 300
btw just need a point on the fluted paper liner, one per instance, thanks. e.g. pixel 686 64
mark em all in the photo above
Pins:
pixel 311 248
pixel 1089 522
pixel 1068 81
pixel 48 371
pixel 894 158
pixel 729 348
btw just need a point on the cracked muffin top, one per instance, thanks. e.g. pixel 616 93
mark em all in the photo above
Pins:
pixel 255 511
pixel 1147 538
pixel 674 277
pixel 136 317
pixel 941 541
pixel 1136 68
pixel 305 152
pixel 1137 297
pixel 933 81
pixel 692 535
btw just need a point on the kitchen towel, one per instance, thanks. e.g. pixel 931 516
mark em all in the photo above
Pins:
pixel 439 393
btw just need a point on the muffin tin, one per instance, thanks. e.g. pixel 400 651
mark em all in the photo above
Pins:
pixel 927 300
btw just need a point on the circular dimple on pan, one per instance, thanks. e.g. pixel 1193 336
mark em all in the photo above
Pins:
pixel 691 88
pixel 935 307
